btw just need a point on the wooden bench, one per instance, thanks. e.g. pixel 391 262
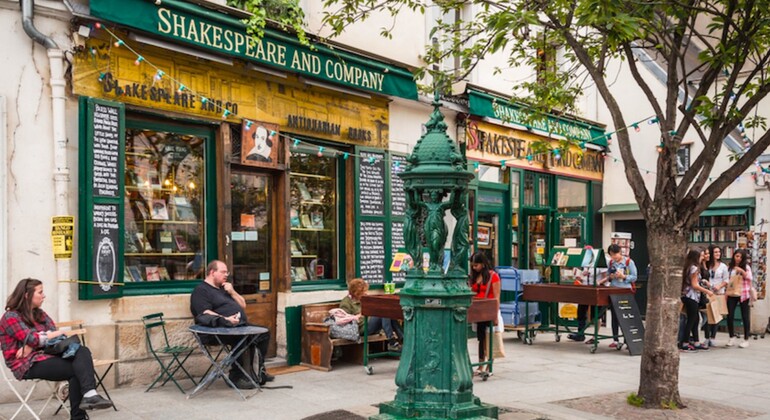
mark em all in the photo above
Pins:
pixel 318 347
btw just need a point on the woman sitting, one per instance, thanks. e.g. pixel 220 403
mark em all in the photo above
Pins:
pixel 25 329
pixel 352 305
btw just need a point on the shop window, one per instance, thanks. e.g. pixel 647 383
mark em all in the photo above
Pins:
pixel 543 191
pixel 313 217
pixel 572 196
pixel 529 189
pixel 164 235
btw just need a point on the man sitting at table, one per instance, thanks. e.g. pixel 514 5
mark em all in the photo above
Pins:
pixel 215 303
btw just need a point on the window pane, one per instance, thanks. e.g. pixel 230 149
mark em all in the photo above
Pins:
pixel 313 217
pixel 164 235
pixel 572 196
pixel 250 235
pixel 543 182
pixel 529 189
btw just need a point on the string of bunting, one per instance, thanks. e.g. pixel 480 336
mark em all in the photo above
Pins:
pixel 324 151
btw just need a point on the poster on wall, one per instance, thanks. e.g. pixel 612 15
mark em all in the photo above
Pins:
pixel 260 144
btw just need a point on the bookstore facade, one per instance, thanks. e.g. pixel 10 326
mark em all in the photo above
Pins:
pixel 272 157
pixel 528 200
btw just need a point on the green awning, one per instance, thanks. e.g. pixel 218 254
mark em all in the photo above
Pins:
pixel 225 34
pixel 487 105
pixel 720 207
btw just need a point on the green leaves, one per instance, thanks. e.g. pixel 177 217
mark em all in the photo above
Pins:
pixel 287 14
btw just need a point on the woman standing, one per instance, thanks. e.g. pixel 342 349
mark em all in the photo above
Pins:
pixel 485 283
pixel 739 267
pixel 718 279
pixel 24 331
pixel 691 290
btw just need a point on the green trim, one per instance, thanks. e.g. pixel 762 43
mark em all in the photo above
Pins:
pixel 619 208
pixel 225 34
pixel 733 202
pixel 486 105
pixel 315 287
pixel 720 203
pixel 725 212
pixel 293 335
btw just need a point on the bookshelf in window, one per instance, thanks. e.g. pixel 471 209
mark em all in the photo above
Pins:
pixel 720 230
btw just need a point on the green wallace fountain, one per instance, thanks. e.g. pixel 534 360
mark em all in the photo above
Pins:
pixel 434 377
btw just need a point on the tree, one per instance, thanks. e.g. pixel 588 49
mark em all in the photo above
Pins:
pixel 714 51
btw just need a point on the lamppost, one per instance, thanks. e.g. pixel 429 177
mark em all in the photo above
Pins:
pixel 434 375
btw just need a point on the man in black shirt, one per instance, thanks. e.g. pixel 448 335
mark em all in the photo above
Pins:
pixel 215 303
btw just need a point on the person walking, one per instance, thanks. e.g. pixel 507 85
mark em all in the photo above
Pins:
pixel 739 267
pixel 485 283
pixel 691 290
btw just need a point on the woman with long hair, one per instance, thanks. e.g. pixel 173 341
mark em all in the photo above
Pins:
pixel 691 290
pixel 739 267
pixel 485 283
pixel 25 329
pixel 718 279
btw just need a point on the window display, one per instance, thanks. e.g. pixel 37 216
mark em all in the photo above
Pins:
pixel 163 206
pixel 313 216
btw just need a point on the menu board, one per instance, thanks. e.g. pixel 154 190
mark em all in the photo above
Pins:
pixel 397 194
pixel 106 150
pixel 105 241
pixel 397 241
pixel 372 255
pixel 371 184
pixel 630 321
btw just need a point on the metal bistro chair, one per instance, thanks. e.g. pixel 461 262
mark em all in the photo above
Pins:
pixel 179 354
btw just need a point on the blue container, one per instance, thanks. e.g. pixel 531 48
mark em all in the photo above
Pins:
pixel 514 313
pixel 509 278
pixel 529 276
pixel 508 310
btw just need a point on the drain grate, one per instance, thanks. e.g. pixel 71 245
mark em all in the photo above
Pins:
pixel 336 415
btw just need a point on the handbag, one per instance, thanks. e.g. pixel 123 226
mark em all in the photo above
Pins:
pixel 713 311
pixel 735 286
pixel 498 350
pixel 347 331
pixel 57 348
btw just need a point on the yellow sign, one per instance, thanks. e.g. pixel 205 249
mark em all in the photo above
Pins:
pixel 567 310
pixel 494 143
pixel 216 91
pixel 62 229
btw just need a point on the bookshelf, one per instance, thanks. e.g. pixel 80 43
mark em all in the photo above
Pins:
pixel 721 230
pixel 312 219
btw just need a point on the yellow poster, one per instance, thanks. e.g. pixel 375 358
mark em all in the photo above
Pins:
pixel 62 229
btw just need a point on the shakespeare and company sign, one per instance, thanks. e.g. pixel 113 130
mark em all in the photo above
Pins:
pixel 224 34
pixel 494 143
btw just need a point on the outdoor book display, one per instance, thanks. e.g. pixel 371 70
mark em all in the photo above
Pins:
pixel 566 260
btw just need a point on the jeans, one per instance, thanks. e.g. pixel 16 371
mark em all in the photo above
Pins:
pixel 386 324
pixel 693 317
pixel 732 302
pixel 78 370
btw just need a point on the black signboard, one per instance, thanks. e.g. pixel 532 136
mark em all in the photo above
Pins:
pixel 630 322
pixel 397 194
pixel 397 242
pixel 371 184
pixel 372 253
pixel 102 142
pixel 106 150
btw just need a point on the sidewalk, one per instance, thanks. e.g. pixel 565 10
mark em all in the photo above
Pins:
pixel 532 382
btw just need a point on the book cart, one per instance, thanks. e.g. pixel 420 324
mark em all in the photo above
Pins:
pixel 562 291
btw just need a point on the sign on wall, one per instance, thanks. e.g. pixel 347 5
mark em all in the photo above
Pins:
pixel 261 144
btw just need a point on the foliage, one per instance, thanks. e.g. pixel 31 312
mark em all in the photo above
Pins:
pixel 668 405
pixel 635 400
pixel 286 14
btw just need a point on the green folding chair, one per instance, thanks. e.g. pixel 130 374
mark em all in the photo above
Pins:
pixel 178 354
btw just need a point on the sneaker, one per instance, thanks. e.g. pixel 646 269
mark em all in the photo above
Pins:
pixel 97 402
pixel 712 342
pixel 590 341
pixel 744 344
pixel 731 342
pixel 614 345
pixel 700 346
pixel 394 346
pixel 576 337
pixel 687 348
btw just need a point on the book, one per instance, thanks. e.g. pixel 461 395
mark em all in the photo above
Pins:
pixel 398 262
pixel 294 217
pixel 153 274
pixel 317 220
pixel 126 275
pixel 163 273
pixel 181 243
pixel 159 209
pixel 295 248
pixel 141 209
pixel 305 218
pixel 184 210
pixel 556 258
pixel 136 273
pixel 301 246
pixel 303 191
pixel 165 241
pixel 129 242
pixel 301 273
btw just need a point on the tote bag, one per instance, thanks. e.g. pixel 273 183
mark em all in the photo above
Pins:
pixel 735 287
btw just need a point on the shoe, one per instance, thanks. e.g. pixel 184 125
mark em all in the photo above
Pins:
pixel 97 402
pixel 590 341
pixel 700 346
pixel 687 348
pixel 744 344
pixel 712 343
pixel 576 337
pixel 265 377
pixel 394 346
pixel 731 342
pixel 243 383
pixel 614 345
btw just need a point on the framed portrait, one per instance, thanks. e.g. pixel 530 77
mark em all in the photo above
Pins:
pixel 484 234
pixel 260 144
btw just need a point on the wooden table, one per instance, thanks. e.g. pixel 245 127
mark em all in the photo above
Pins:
pixel 595 296
pixel 389 306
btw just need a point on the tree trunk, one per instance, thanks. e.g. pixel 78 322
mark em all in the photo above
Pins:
pixel 659 376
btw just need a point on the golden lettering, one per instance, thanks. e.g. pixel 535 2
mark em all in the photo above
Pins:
pixel 204 33
pixel 164 26
pixel 240 41
pixel 228 40
pixel 192 33
pixel 217 37
pixel 179 25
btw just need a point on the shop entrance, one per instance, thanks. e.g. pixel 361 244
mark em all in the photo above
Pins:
pixel 536 232
pixel 251 246
pixel 489 237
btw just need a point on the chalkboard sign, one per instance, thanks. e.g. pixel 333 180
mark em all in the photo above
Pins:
pixel 106 232
pixel 630 322
pixel 397 241
pixel 372 254
pixel 106 150
pixel 397 194
pixel 100 230
pixel 371 184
